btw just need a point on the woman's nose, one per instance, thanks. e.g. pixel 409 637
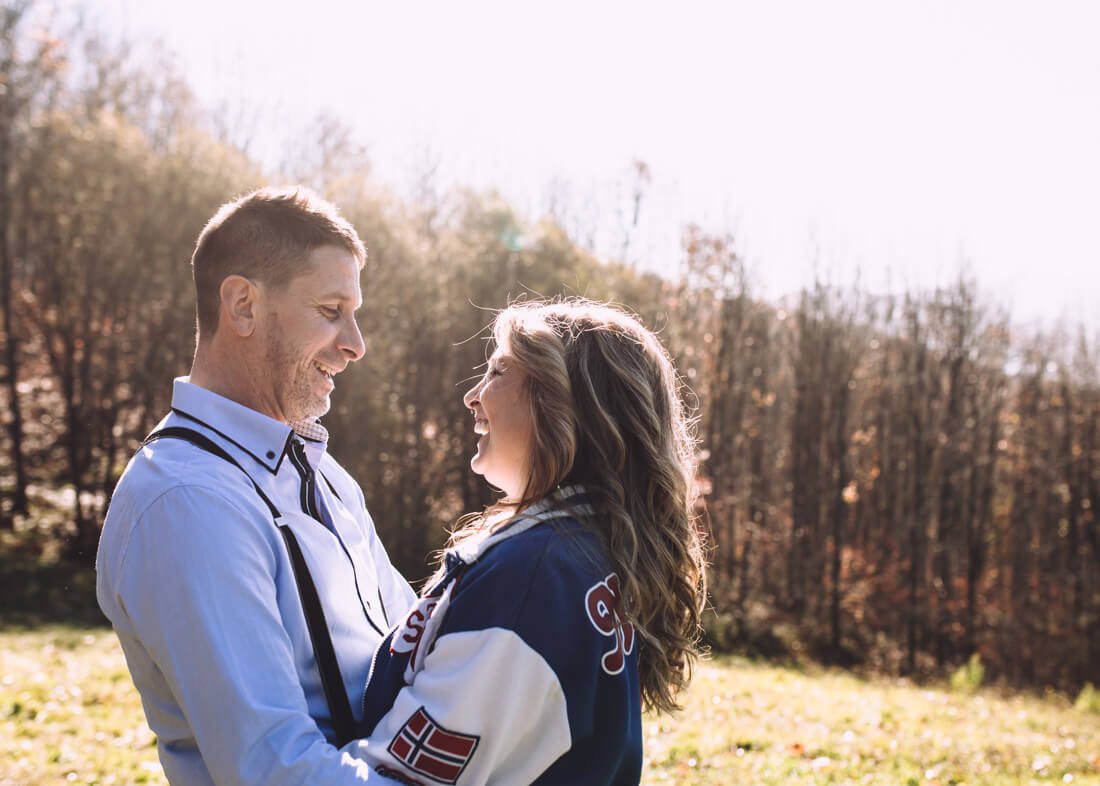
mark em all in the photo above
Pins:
pixel 471 396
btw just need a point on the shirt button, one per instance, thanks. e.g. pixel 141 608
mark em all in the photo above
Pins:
pixel 271 454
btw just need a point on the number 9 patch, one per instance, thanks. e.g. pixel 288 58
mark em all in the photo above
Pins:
pixel 602 602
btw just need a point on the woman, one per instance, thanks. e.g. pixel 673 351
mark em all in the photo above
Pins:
pixel 574 601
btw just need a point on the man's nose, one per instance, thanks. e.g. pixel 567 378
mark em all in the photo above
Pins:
pixel 351 341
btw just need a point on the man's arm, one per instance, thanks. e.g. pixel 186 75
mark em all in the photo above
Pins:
pixel 198 584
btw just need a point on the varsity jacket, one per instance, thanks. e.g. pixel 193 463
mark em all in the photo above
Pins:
pixel 516 667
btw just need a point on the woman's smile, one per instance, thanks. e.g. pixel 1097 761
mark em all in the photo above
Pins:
pixel 501 405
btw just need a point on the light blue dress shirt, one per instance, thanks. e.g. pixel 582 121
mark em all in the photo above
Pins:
pixel 196 579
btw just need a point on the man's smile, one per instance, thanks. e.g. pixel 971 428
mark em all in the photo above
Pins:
pixel 327 372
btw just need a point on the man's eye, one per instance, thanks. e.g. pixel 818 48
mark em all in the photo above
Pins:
pixel 329 312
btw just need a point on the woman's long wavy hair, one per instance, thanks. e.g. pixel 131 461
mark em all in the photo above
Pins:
pixel 607 413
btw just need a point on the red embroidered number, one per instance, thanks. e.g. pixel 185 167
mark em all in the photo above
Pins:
pixel 408 638
pixel 602 605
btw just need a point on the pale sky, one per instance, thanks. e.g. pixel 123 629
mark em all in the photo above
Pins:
pixel 897 137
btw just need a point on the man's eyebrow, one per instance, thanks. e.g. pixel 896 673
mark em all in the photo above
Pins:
pixel 336 295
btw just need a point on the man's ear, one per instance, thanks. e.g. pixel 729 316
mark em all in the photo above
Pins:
pixel 239 297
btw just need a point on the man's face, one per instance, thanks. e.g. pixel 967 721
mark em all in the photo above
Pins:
pixel 310 335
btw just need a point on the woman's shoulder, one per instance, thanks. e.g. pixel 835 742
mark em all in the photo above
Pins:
pixel 553 587
pixel 558 547
pixel 537 578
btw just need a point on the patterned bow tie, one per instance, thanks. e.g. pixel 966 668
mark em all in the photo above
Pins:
pixel 310 429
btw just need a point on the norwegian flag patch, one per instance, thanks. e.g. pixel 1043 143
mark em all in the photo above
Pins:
pixel 427 748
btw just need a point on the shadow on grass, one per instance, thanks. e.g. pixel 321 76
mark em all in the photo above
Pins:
pixel 36 590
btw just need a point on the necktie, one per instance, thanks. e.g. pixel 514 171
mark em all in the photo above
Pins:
pixel 313 501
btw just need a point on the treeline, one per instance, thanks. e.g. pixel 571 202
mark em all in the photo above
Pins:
pixel 902 479
pixel 895 480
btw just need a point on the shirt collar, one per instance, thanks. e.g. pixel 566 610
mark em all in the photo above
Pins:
pixel 262 437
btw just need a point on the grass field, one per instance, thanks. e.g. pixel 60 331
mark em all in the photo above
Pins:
pixel 69 714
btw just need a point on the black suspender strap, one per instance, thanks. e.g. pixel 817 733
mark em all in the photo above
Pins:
pixel 210 446
pixel 343 722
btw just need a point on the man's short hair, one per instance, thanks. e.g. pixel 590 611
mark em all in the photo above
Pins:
pixel 266 236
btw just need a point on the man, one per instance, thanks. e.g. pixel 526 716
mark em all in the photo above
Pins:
pixel 193 570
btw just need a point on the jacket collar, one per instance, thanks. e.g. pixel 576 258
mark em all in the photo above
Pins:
pixel 563 502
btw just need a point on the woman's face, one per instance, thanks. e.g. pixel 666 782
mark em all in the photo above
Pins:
pixel 501 405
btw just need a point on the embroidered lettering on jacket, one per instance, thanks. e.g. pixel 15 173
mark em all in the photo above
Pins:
pixel 427 748
pixel 602 604
pixel 408 638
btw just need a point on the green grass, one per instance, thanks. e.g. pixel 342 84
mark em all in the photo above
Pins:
pixel 748 723
pixel 69 714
